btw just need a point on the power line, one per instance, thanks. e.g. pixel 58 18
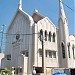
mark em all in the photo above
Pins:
pixel 12 35
pixel 68 6
pixel 20 34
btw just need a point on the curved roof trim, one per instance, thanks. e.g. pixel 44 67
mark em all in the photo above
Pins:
pixel 72 35
pixel 73 39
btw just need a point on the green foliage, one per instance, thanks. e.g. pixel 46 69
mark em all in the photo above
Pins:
pixel 6 71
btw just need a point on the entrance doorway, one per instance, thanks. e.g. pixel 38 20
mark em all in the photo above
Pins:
pixel 72 71
pixel 38 69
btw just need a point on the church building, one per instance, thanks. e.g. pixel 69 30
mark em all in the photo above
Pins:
pixel 35 43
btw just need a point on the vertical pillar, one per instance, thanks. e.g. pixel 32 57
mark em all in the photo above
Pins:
pixel 30 57
pixel 35 42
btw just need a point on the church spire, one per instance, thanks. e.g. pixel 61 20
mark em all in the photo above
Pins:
pixel 20 5
pixel 61 10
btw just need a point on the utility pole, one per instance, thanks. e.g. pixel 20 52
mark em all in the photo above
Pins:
pixel 43 54
pixel 2 37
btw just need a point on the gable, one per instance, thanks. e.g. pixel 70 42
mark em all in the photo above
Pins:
pixel 46 24
pixel 20 14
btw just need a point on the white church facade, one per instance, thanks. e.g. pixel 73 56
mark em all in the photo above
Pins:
pixel 35 42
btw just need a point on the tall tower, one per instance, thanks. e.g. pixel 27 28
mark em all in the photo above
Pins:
pixel 63 37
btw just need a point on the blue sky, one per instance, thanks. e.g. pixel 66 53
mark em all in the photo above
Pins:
pixel 49 8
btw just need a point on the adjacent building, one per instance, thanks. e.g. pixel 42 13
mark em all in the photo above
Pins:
pixel 1 57
pixel 34 41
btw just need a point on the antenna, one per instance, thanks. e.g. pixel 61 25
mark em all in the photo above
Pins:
pixel 2 37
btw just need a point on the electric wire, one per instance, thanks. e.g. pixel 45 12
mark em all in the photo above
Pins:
pixel 68 6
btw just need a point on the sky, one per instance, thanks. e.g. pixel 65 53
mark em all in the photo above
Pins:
pixel 48 8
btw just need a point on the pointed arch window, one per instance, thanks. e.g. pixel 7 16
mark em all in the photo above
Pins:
pixel 50 36
pixel 63 50
pixel 53 37
pixel 45 35
pixel 69 50
pixel 73 52
pixel 41 34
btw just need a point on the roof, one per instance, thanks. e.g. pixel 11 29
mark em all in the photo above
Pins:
pixel 36 13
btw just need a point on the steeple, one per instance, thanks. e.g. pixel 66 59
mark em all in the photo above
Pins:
pixel 63 33
pixel 20 5
pixel 61 10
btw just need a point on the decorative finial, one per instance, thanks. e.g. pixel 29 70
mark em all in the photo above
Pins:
pixel 35 10
pixel 20 5
pixel 60 0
